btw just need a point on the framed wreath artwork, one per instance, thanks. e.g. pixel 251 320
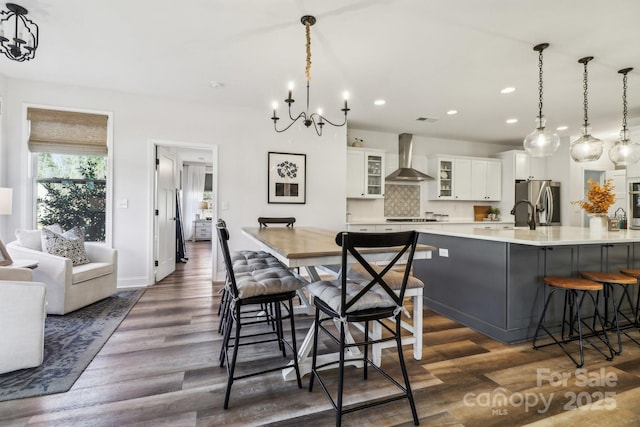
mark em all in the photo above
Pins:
pixel 287 178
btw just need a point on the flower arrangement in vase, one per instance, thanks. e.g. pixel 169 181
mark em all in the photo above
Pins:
pixel 599 200
pixel 599 197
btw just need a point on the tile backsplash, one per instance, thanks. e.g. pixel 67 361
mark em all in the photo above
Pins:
pixel 401 200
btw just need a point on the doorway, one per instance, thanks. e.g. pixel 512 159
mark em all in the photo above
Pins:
pixel 170 215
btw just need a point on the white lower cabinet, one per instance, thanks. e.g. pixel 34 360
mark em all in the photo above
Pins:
pixel 381 228
pixel 374 228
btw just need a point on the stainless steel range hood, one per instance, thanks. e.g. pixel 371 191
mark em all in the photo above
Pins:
pixel 405 172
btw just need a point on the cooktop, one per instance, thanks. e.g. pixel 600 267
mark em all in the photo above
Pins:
pixel 411 220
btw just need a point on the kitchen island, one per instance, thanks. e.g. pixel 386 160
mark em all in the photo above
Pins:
pixel 491 279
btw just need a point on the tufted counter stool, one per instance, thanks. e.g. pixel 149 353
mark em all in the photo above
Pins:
pixel 243 261
pixel 275 287
pixel 575 292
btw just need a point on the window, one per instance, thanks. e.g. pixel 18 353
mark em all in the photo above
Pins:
pixel 72 191
pixel 70 163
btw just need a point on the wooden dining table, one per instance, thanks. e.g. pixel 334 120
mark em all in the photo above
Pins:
pixel 314 248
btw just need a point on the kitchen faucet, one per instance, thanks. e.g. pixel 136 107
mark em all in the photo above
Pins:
pixel 532 216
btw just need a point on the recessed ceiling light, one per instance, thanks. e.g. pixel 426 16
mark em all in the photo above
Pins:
pixel 452 112
pixel 511 121
pixel 562 128
pixel 216 85
pixel 379 102
pixel 508 90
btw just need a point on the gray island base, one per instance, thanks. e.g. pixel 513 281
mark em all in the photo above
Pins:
pixel 491 280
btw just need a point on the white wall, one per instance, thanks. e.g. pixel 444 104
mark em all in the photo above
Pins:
pixel 244 137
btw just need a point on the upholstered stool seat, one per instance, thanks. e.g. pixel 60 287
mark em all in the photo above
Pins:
pixel 245 260
pixel 575 291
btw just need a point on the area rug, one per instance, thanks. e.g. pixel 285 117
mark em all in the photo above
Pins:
pixel 70 343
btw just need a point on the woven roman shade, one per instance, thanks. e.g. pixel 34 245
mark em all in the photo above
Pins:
pixel 67 132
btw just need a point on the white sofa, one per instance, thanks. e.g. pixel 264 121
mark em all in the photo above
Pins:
pixel 22 314
pixel 70 288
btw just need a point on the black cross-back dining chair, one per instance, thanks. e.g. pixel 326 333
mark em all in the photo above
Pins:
pixel 347 301
pixel 274 287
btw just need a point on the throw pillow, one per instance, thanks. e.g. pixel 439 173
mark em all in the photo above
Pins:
pixel 56 228
pixel 72 248
pixel 29 239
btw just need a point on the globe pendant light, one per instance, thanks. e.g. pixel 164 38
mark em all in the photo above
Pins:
pixel 540 142
pixel 624 152
pixel 587 148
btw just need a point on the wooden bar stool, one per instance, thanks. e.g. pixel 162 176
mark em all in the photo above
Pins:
pixel 608 280
pixel 635 273
pixel 576 289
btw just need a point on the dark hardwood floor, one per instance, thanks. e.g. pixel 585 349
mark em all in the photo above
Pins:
pixel 160 368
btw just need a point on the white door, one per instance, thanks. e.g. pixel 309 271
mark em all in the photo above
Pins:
pixel 165 214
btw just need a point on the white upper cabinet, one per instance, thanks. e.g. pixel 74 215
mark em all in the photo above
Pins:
pixel 465 178
pixel 462 179
pixel 486 180
pixel 365 173
pixel 527 167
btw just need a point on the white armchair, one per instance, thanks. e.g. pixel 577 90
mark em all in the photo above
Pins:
pixel 22 314
pixel 70 288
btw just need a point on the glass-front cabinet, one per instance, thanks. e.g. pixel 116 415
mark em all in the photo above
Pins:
pixel 375 179
pixel 445 176
pixel 365 173
pixel 442 187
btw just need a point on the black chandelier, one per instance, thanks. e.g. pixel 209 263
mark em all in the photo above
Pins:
pixel 315 119
pixel 18 35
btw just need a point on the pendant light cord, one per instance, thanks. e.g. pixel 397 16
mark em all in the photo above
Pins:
pixel 624 102
pixel 540 84
pixel 307 70
pixel 585 88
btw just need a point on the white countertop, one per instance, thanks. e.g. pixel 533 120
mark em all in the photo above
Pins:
pixel 383 221
pixel 541 236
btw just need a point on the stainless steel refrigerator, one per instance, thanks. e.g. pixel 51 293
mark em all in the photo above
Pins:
pixel 544 194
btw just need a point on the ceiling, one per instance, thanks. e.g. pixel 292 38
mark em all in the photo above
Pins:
pixel 423 57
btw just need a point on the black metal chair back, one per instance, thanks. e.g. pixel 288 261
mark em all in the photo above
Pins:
pixel 354 244
pixel 223 240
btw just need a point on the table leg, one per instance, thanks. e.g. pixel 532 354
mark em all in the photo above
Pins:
pixel 415 329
